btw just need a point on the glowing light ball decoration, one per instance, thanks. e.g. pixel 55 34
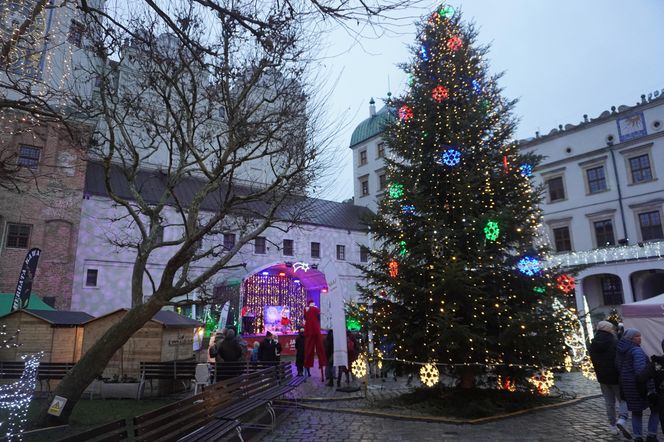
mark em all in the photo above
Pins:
pixel 446 11
pixel 396 191
pixel 491 230
pixel 454 43
pixel 440 93
pixel 565 283
pixel 529 266
pixel 359 367
pixel 405 113
pixel 408 209
pixel 542 381
pixel 394 268
pixel 526 170
pixel 429 374
pixel 450 157
pixel 424 53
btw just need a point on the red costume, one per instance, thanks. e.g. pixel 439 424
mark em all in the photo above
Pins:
pixel 312 338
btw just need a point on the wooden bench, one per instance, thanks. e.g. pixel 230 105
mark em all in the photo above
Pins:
pixel 111 432
pixel 46 372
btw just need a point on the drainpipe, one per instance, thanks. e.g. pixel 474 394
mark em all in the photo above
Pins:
pixel 620 201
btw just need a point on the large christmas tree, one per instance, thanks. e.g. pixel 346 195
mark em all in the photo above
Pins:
pixel 455 278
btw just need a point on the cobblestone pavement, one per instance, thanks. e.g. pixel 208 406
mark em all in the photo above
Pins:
pixel 582 421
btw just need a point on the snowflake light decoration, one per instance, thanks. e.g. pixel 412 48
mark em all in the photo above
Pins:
pixel 402 248
pixel 539 289
pixel 454 43
pixel 408 209
pixel 526 170
pixel 424 53
pixel 440 93
pixel 529 265
pixel 568 364
pixel 16 397
pixel 446 11
pixel 506 383
pixel 394 268
pixel 405 113
pixel 542 381
pixel 565 283
pixel 396 191
pixel 429 374
pixel 477 86
pixel 588 370
pixel 450 157
pixel 491 230
pixel 359 366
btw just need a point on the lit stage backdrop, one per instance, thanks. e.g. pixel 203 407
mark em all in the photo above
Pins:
pixel 262 291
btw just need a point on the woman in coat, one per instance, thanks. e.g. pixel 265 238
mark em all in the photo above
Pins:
pixel 631 361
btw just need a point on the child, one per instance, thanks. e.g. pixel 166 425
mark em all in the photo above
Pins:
pixel 254 352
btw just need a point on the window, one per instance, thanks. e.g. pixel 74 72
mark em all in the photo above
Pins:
pixel 363 157
pixel 28 156
pixel 364 254
pixel 91 276
pixel 315 250
pixel 562 239
pixel 18 236
pixel 596 179
pixel 382 181
pixel 76 30
pixel 640 167
pixel 380 152
pixel 259 246
pixel 604 233
pixel 288 247
pixel 612 290
pixel 364 186
pixel 651 225
pixel 556 189
pixel 341 252
pixel 229 240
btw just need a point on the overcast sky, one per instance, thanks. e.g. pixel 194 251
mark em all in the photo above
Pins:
pixel 561 59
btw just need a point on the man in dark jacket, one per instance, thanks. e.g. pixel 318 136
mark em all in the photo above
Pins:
pixel 267 351
pixel 299 352
pixel 603 356
pixel 229 352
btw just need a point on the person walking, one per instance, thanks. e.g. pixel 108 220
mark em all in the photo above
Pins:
pixel 299 352
pixel 631 362
pixel 230 353
pixel 603 357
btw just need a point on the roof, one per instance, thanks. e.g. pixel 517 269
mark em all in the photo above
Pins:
pixel 58 317
pixel 372 126
pixel 167 318
pixel 34 303
pixel 304 210
pixel 648 308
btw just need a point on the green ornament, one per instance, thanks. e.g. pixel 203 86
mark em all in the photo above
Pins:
pixel 353 324
pixel 485 105
pixel 539 290
pixel 411 79
pixel 396 190
pixel 491 230
pixel 446 11
pixel 402 248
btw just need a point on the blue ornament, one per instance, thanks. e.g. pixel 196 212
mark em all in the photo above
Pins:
pixel 450 157
pixel 424 53
pixel 526 170
pixel 477 87
pixel 529 265
pixel 408 209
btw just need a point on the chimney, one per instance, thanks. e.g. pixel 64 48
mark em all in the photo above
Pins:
pixel 372 107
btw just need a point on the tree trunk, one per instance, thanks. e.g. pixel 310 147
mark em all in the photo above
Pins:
pixel 94 361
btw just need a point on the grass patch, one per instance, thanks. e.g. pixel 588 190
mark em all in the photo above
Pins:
pixel 92 413
pixel 466 404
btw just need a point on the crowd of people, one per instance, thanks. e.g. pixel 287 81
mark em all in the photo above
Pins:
pixel 629 380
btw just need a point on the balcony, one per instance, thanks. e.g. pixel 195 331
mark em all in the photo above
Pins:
pixel 608 255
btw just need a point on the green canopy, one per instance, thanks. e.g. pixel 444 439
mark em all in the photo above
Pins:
pixel 34 303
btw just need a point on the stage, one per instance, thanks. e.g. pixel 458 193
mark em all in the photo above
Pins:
pixel 287 342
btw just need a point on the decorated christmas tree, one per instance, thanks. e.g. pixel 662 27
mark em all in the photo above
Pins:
pixel 455 278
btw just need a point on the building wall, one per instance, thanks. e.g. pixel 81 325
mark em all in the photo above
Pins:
pixel 569 153
pixel 50 203
pixel 114 264
pixel 374 167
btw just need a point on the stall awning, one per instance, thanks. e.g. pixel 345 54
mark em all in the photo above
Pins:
pixel 35 303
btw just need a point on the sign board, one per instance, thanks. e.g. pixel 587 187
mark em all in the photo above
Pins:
pixel 631 126
pixel 57 406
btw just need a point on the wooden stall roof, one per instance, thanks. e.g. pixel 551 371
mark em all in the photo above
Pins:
pixel 56 318
pixel 166 318
pixel 34 303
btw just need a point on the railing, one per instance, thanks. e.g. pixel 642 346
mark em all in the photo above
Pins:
pixel 608 255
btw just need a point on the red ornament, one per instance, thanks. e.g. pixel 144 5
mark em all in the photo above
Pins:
pixel 454 43
pixel 405 113
pixel 440 93
pixel 565 283
pixel 394 268
pixel 506 164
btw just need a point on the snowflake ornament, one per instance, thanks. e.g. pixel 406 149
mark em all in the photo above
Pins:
pixel 405 113
pixel 565 283
pixel 449 157
pixel 491 231
pixel 396 191
pixel 454 43
pixel 529 265
pixel 440 93
pixel 526 170
pixel 359 367
pixel 542 381
pixel 429 374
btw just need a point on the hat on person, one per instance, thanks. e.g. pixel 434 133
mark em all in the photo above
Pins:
pixel 268 334
pixel 606 326
pixel 630 333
